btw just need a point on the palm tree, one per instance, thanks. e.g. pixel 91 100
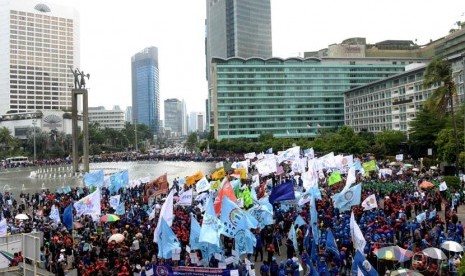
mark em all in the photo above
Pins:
pixel 439 72
pixel 6 139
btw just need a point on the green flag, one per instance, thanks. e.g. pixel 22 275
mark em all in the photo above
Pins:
pixel 335 177
pixel 369 166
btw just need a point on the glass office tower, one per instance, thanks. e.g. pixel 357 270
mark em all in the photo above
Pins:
pixel 145 88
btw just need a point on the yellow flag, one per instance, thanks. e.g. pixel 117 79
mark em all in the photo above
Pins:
pixel 241 172
pixel 219 174
pixel 190 180
pixel 198 175
pixel 215 185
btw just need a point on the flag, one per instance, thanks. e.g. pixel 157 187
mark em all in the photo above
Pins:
pixel 284 191
pixel 443 186
pixel 369 203
pixel 328 161
pixel 421 217
pixel 68 217
pixel 351 178
pixel 55 214
pixel 211 225
pixel 241 173
pixel 219 174
pixel 166 213
pixel 269 151
pixel 219 165
pixel 399 157
pixel 334 178
pixel 94 178
pixel 226 190
pixel 215 185
pixel 292 236
pixel 345 199
pixel 263 214
pixel 89 205
pixel 167 240
pixel 244 242
pixel 120 210
pixel 195 233
pixel 310 153
pixel 198 175
pixel 246 197
pixel 3 228
pixel 234 218
pixel 347 161
pixel 114 201
pixel 202 185
pixel 250 155
pixel 266 166
pixel 185 199
pixel 360 263
pixel 314 220
pixel 331 245
pixel 369 166
pixel 357 235
pixel 299 221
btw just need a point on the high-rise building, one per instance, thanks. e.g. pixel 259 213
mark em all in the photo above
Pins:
pixel 291 97
pixel 128 114
pixel 113 118
pixel 197 121
pixel 39 43
pixel 236 28
pixel 174 115
pixel 145 88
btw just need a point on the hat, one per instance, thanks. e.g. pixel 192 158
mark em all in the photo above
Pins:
pixel 63 250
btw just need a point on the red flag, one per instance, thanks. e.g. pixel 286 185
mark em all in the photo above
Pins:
pixel 226 190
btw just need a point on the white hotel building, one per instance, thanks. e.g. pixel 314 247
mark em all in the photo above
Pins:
pixel 39 43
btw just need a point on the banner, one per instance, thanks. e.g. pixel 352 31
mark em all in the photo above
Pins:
pixel 399 157
pixel 202 185
pixel 185 199
pixel 89 205
pixel 250 155
pixel 157 187
pixel 266 166
pixel 114 201
pixel 188 271
pixel 369 203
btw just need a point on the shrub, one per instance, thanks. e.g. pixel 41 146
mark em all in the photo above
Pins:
pixel 453 182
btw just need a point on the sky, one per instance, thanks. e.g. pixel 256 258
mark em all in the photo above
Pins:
pixel 111 32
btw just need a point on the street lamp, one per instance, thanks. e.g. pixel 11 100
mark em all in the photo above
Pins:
pixel 34 122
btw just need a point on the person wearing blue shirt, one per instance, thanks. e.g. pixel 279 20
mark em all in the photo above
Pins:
pixel 258 247
pixel 265 269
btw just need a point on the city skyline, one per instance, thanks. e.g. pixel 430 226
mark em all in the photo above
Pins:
pixel 108 44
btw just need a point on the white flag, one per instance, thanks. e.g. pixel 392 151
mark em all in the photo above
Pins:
pixel 369 203
pixel 443 186
pixel 357 235
pixel 114 201
pixel 89 205
pixel 3 228
pixel 351 178
pixel 185 198
pixel 55 214
pixel 166 213
pixel 202 185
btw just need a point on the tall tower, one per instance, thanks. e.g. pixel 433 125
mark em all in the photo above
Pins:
pixel 236 28
pixel 145 88
pixel 174 115
pixel 39 43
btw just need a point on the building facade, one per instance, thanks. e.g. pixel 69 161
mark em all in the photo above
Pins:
pixel 39 43
pixel 392 103
pixel 113 118
pixel 289 97
pixel 145 88
pixel 174 114
pixel 128 114
pixel 197 122
pixel 236 28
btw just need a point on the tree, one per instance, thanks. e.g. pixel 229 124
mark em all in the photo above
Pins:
pixel 425 128
pixel 6 139
pixel 389 141
pixel 439 72
pixel 192 142
pixel 446 145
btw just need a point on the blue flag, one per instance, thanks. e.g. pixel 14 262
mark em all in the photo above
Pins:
pixel 282 192
pixel 234 218
pixel 245 242
pixel 293 237
pixel 195 233
pixel 124 178
pixel 94 178
pixel 211 226
pixel 299 221
pixel 120 210
pixel 208 251
pixel 68 217
pixel 331 245
pixel 361 263
pixel 346 199
pixel 167 241
pixel 263 214
pixel 116 182
pixel 314 220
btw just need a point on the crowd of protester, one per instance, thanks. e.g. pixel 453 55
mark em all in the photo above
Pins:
pixel 86 246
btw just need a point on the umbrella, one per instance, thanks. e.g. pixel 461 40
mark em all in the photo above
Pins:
pixel 426 185
pixel 21 217
pixel 406 272
pixel 434 253
pixel 116 237
pixel 452 246
pixel 77 225
pixel 394 253
pixel 109 218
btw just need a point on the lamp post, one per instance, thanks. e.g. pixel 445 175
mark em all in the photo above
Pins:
pixel 34 122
